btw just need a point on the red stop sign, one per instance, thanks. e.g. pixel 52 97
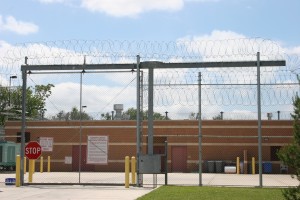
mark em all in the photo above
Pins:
pixel 33 150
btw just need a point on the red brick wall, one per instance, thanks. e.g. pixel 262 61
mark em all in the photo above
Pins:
pixel 222 140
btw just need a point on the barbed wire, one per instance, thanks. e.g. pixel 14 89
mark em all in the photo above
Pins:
pixel 107 51
pixel 220 86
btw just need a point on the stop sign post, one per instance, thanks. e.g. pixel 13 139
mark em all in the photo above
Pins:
pixel 33 150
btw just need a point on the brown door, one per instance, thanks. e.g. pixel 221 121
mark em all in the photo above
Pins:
pixel 179 159
pixel 75 159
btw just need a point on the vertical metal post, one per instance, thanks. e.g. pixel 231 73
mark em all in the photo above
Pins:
pixel 9 92
pixel 24 86
pixel 200 130
pixel 150 111
pixel 278 115
pixel 80 126
pixel 166 162
pixel 259 121
pixel 138 119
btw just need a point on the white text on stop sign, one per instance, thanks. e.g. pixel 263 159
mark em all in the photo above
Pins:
pixel 32 150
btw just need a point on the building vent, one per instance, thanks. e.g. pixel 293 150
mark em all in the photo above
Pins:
pixel 118 109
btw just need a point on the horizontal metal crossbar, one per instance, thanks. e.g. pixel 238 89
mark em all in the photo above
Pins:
pixel 152 64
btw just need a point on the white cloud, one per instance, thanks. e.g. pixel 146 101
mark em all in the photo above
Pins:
pixel 4 46
pixel 20 27
pixel 131 8
pixel 293 50
pixel 98 99
pixel 230 46
pixel 4 69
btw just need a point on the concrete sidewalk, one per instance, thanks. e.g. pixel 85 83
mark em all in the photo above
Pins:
pixel 75 191
pixel 71 192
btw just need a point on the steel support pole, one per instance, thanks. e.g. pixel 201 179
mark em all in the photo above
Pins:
pixel 150 111
pixel 259 122
pixel 80 128
pixel 138 119
pixel 200 130
pixel 24 86
pixel 166 162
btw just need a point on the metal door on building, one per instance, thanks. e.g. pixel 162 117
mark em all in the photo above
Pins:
pixel 179 158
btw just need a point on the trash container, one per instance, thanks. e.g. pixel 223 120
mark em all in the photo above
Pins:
pixel 267 167
pixel 219 166
pixel 211 166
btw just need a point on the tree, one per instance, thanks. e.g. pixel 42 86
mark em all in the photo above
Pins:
pixel 73 115
pixel 290 155
pixel 132 112
pixel 11 102
pixel 106 116
pixel 218 117
pixel 193 116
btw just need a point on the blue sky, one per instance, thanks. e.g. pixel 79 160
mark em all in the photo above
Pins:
pixel 24 21
pixel 47 20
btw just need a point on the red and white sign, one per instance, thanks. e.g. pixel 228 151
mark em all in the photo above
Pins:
pixel 33 150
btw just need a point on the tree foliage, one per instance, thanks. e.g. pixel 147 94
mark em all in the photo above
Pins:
pixel 11 102
pixel 132 112
pixel 74 114
pixel 106 116
pixel 290 155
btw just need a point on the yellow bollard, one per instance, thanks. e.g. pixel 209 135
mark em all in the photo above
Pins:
pixel 133 169
pixel 18 169
pixel 253 165
pixel 127 172
pixel 30 170
pixel 238 165
pixel 24 165
pixel 33 169
pixel 41 164
pixel 48 167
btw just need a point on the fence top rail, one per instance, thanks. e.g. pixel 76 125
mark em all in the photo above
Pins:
pixel 152 64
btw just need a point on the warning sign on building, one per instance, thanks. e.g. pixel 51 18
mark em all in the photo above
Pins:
pixel 97 150
pixel 46 143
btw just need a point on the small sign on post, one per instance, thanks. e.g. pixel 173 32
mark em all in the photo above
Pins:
pixel 33 150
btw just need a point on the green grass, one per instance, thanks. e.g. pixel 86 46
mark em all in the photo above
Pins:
pixel 213 193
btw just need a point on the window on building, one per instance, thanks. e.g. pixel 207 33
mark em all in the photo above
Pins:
pixel 27 137
pixel 274 150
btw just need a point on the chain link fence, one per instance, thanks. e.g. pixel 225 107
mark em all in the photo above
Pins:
pixel 90 115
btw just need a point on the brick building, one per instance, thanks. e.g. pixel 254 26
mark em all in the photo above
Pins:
pixel 223 140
